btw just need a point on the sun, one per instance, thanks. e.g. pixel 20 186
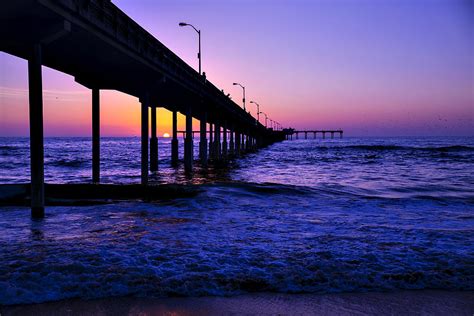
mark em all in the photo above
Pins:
pixel 166 135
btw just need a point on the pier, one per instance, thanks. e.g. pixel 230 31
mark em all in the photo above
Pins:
pixel 104 49
pixel 290 132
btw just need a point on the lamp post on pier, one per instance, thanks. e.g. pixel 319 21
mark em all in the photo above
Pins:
pixel 243 88
pixel 258 110
pixel 182 24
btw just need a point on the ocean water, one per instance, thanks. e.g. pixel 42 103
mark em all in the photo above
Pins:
pixel 300 216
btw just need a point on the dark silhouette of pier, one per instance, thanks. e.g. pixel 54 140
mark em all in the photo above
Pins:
pixel 102 48
pixel 290 132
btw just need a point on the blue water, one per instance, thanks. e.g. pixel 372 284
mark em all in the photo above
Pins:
pixel 310 215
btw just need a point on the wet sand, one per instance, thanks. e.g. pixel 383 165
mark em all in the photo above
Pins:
pixel 424 302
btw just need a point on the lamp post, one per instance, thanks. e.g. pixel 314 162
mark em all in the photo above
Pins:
pixel 258 110
pixel 199 35
pixel 243 88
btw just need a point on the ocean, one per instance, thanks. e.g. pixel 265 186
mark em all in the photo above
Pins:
pixel 300 216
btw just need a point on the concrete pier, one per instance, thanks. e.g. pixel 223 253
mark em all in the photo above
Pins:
pixel 174 140
pixel 95 135
pixel 290 132
pixel 35 83
pixel 153 142
pixel 137 64
pixel 144 141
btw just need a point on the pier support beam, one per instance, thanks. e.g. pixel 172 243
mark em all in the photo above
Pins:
pixel 36 132
pixel 203 140
pixel 217 141
pixel 237 143
pixel 144 140
pixel 224 140
pixel 174 141
pixel 211 142
pixel 188 142
pixel 153 142
pixel 231 142
pixel 95 135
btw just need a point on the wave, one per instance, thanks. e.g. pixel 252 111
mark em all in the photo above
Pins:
pixel 266 190
pixel 454 148
pixel 75 163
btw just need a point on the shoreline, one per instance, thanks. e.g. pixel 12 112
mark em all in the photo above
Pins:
pixel 427 302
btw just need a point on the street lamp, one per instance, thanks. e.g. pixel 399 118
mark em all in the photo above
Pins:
pixel 238 84
pixel 258 110
pixel 199 34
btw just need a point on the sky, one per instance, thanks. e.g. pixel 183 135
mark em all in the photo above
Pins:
pixel 370 67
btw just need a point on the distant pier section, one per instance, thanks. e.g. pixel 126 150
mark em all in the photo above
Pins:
pixel 289 132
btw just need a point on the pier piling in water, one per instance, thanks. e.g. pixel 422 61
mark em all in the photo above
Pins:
pixel 36 132
pixel 188 142
pixel 211 141
pixel 231 142
pixel 224 140
pixel 144 141
pixel 203 140
pixel 95 135
pixel 153 142
pixel 237 143
pixel 217 141
pixel 174 141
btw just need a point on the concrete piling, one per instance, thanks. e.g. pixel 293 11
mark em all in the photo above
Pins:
pixel 203 140
pixel 211 141
pixel 144 141
pixel 153 142
pixel 188 142
pixel 35 83
pixel 174 140
pixel 95 135
pixel 224 140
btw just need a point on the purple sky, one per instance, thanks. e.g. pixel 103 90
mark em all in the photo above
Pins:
pixel 375 68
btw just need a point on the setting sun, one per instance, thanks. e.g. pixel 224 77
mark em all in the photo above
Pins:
pixel 166 135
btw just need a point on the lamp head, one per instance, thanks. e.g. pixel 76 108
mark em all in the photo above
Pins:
pixel 235 83
pixel 183 24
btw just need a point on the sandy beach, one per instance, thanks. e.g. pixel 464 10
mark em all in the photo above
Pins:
pixel 426 302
